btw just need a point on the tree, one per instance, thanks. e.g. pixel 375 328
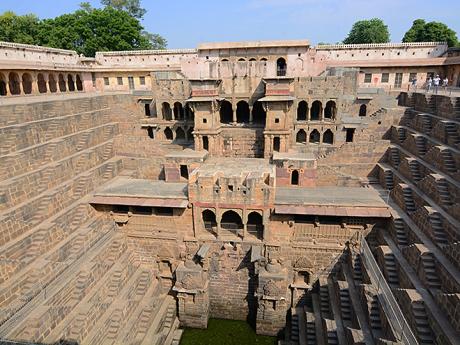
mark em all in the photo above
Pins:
pixel 430 32
pixel 19 29
pixel 133 7
pixel 88 31
pixel 368 31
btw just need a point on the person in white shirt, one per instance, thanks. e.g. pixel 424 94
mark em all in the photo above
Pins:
pixel 429 82
pixel 445 82
pixel 436 81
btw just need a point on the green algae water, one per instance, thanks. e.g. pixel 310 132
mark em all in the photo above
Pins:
pixel 225 332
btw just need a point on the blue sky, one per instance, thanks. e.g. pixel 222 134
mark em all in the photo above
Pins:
pixel 185 23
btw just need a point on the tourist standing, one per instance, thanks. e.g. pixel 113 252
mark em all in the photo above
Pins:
pixel 436 82
pixel 414 83
pixel 445 82
pixel 429 82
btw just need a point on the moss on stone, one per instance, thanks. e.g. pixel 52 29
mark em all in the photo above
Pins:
pixel 225 332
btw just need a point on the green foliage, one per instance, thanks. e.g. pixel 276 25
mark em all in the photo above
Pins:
pixel 225 332
pixel 368 31
pixel 19 29
pixel 133 7
pixel 86 30
pixel 94 30
pixel 430 32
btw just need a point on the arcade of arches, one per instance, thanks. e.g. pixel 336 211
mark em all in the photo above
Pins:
pixel 231 221
pixel 32 83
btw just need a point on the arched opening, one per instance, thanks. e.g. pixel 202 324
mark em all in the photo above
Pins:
pixel 178 111
pixel 226 112
pixel 209 220
pixel 328 137
pixel 316 110
pixel 224 60
pixel 62 84
pixel 363 110
pixel 52 83
pixel 241 60
pixel 79 83
pixel 252 59
pixel 70 82
pixel 168 133
pixel 302 111
pixel 41 83
pixel 295 177
pixel 14 83
pixel 301 136
pixel 166 111
pixel 205 143
pixel 231 221
pixel 180 134
pixel 259 115
pixel 255 225
pixel 314 136
pixel 276 144
pixel 330 110
pixel 242 112
pixel 281 67
pixel 3 90
pixel 188 112
pixel 190 133
pixel 27 83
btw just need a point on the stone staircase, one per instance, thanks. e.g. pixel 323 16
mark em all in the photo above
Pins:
pixel 429 268
pixel 408 199
pixel 420 143
pixel 422 327
pixel 400 231
pixel 415 170
pixel 437 227
pixel 449 163
pixel 391 270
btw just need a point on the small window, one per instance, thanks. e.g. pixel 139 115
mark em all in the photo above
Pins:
pixel 93 78
pixel 142 210
pixel 106 81
pixel 230 187
pixel 412 76
pixel 385 77
pixel 205 120
pixel 184 171
pixel 150 133
pixel 277 120
pixel 164 211
pixel 120 80
pixel 147 109
pixel 368 78
pixel 295 177
pixel 142 80
pixel 121 209
pixel 350 135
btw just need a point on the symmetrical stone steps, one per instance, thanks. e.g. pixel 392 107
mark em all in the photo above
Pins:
pixel 29 185
pixel 21 136
pixel 35 157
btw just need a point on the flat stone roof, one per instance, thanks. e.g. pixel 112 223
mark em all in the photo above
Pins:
pixel 236 167
pixel 253 44
pixel 293 156
pixel 188 153
pixel 332 201
pixel 139 192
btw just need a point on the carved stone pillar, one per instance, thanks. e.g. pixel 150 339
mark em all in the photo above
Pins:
pixel 272 297
pixel 192 294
